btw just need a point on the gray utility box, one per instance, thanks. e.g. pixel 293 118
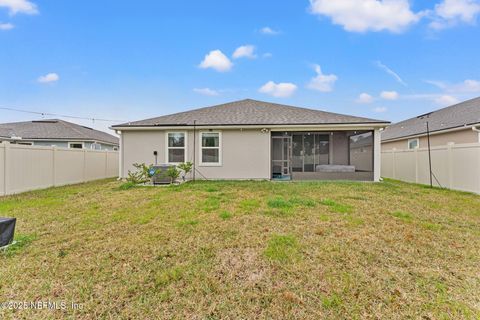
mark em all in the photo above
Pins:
pixel 7 230
pixel 160 177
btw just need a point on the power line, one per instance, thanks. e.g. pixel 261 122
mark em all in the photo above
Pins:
pixel 60 115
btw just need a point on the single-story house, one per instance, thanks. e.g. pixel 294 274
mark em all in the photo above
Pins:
pixel 251 139
pixel 457 124
pixel 54 132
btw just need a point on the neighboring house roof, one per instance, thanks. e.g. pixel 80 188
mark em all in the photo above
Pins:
pixel 54 129
pixel 456 116
pixel 251 112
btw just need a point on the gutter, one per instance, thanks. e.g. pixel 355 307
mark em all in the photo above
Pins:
pixel 257 126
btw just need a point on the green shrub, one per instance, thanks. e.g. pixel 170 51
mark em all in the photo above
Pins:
pixel 186 167
pixel 143 173
pixel 173 173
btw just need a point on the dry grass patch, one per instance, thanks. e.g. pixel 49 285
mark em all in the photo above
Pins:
pixel 256 250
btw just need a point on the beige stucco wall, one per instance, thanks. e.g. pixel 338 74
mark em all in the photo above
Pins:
pixel 245 153
pixel 461 136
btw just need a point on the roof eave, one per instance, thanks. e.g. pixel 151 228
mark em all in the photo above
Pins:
pixel 439 131
pixel 251 126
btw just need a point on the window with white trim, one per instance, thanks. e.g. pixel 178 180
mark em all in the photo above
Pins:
pixel 176 146
pixel 210 152
pixel 413 144
pixel 75 145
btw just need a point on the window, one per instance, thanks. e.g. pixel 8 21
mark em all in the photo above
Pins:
pixel 75 145
pixel 176 145
pixel 210 153
pixel 96 146
pixel 413 144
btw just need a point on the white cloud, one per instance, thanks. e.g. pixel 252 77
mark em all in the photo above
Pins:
pixel 451 12
pixel 446 100
pixel 6 26
pixel 389 95
pixel 380 109
pixel 269 31
pixel 390 72
pixel 206 91
pixel 246 51
pixel 322 82
pixel 19 6
pixel 279 90
pixel 367 15
pixel 364 98
pixel 48 78
pixel 216 60
pixel 467 86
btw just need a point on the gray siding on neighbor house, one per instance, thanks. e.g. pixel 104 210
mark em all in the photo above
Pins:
pixel 466 135
pixel 64 144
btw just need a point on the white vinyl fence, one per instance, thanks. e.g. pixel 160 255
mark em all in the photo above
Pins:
pixel 455 166
pixel 24 168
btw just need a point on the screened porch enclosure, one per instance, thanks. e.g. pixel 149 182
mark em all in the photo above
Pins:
pixel 321 155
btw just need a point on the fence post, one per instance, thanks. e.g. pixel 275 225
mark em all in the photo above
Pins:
pixel 450 164
pixel 106 163
pixel 394 169
pixel 478 167
pixel 54 166
pixel 416 164
pixel 6 163
pixel 84 165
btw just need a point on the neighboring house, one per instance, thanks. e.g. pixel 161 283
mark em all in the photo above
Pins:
pixel 457 124
pixel 251 139
pixel 58 133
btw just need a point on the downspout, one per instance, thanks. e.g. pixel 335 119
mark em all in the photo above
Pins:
pixel 477 129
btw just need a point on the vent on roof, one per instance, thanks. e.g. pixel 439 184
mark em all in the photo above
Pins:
pixel 44 121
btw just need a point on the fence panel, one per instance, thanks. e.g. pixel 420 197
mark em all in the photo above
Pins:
pixel 455 166
pixel 24 168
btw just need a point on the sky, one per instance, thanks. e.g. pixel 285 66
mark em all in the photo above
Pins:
pixel 130 60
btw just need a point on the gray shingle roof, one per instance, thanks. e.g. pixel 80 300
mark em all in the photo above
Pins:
pixel 54 129
pixel 459 115
pixel 251 112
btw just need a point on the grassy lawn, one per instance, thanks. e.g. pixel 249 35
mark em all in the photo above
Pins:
pixel 216 250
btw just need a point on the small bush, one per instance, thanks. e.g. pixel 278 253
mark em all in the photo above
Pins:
pixel 143 173
pixel 173 173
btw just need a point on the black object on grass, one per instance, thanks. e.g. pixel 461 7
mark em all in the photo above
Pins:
pixel 7 230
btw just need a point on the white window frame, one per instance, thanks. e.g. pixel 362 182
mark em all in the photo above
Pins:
pixel 77 142
pixel 220 147
pixel 410 140
pixel 184 147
